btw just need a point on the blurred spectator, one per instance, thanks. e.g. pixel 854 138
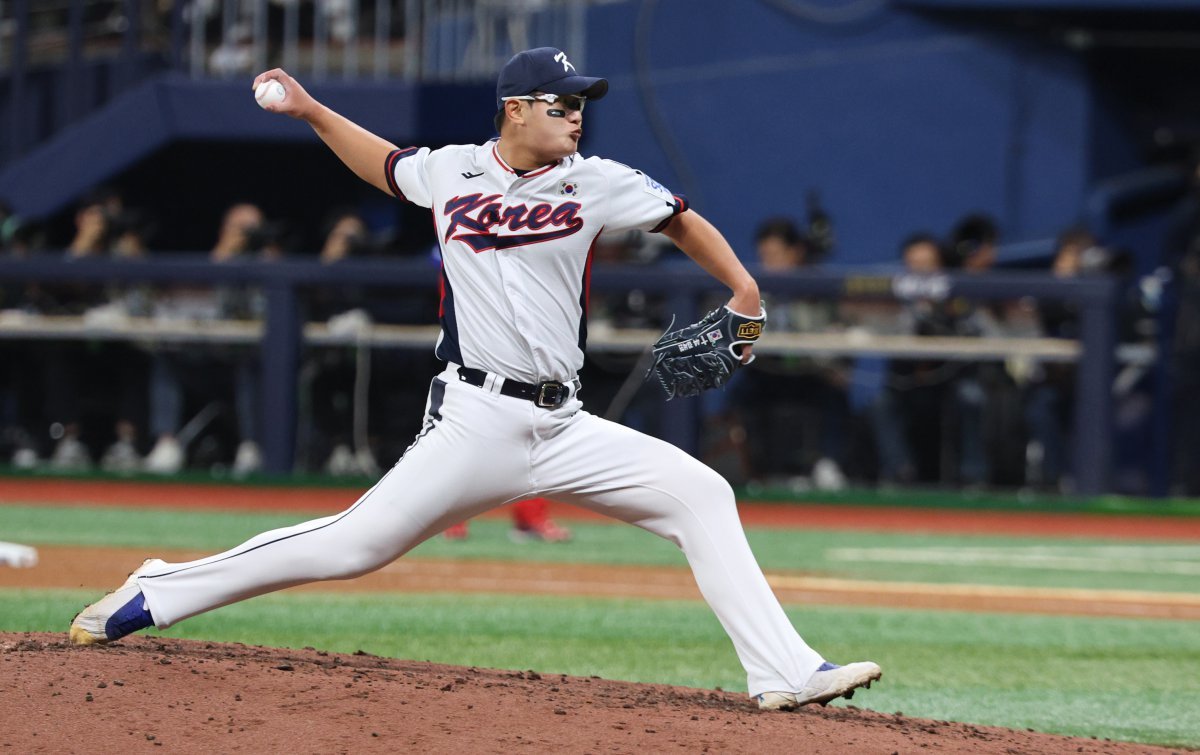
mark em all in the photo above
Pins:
pixel 244 233
pixel 1050 391
pixel 972 244
pixel 792 411
pixel 91 232
pixel 820 232
pixel 1185 362
pixel 925 401
pixel 1183 255
pixel 530 521
pixel 86 385
pixel 347 236
pixel 922 254
pixel 973 249
pixel 12 293
pixel 632 307
pixel 337 379
pixel 18 238
pixel 780 246
pixel 18 387
pixel 9 223
pixel 1049 401
pixel 128 234
pixel 355 400
pixel 65 377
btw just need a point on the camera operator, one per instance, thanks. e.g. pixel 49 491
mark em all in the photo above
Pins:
pixel 244 233
pixel 924 398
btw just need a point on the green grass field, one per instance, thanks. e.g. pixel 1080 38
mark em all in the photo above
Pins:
pixel 1124 679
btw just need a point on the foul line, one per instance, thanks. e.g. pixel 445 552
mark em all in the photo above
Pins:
pixel 824 584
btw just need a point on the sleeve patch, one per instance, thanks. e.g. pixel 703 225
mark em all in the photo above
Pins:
pixel 655 189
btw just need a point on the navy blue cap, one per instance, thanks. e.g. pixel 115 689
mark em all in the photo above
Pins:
pixel 545 69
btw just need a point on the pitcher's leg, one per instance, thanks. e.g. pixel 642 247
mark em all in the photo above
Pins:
pixel 644 481
pixel 374 531
pixel 440 480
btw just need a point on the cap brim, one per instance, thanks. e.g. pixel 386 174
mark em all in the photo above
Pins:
pixel 587 86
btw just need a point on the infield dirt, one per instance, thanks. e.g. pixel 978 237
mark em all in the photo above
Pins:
pixel 155 695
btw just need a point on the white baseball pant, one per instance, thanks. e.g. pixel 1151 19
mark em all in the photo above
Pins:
pixel 479 449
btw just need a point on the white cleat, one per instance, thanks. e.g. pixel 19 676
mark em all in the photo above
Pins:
pixel 829 682
pixel 248 459
pixel 166 458
pixel 108 619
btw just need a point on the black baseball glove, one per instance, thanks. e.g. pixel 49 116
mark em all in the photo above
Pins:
pixel 705 354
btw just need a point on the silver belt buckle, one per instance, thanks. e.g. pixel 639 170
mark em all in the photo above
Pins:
pixel 550 395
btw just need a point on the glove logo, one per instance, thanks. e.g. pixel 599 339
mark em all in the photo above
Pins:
pixel 749 330
pixel 704 340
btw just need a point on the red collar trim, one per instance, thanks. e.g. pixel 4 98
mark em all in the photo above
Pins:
pixel 530 174
pixel 499 159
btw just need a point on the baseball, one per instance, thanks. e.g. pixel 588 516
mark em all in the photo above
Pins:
pixel 270 92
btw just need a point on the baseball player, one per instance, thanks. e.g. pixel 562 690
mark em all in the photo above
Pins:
pixel 530 521
pixel 516 218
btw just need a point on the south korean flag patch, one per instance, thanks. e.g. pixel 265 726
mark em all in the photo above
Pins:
pixel 568 188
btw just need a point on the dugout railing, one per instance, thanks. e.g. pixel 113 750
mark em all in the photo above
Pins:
pixel 684 289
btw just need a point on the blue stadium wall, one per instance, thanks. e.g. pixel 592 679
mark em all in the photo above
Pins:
pixel 906 119
pixel 900 122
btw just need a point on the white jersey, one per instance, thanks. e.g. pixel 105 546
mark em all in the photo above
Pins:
pixel 516 249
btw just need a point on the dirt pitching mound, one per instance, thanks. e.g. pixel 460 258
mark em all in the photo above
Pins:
pixel 151 695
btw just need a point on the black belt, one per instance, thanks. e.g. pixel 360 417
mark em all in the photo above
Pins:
pixel 549 394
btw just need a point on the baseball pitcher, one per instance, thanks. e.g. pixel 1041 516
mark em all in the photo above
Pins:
pixel 516 218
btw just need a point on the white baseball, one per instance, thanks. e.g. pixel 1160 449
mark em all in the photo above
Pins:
pixel 270 92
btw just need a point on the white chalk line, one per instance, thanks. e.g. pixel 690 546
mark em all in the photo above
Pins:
pixel 824 584
pixel 1168 560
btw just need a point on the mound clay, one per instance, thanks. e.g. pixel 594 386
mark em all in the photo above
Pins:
pixel 148 693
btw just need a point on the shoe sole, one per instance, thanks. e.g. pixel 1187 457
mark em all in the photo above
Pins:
pixel 79 635
pixel 862 678
pixel 846 690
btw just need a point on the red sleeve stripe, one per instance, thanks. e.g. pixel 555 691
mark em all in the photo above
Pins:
pixel 681 205
pixel 389 172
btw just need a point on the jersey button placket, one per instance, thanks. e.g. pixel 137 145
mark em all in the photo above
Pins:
pixel 510 272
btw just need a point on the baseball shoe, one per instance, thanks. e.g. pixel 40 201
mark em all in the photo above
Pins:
pixel 121 458
pixel 341 462
pixel 117 614
pixel 828 683
pixel 25 458
pixel 248 459
pixel 166 458
pixel 70 455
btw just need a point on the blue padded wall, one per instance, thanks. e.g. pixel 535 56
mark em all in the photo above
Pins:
pixel 899 122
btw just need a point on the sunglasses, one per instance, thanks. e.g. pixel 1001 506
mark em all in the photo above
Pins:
pixel 573 102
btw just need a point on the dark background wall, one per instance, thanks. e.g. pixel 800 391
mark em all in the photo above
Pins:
pixel 902 117
pixel 900 122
